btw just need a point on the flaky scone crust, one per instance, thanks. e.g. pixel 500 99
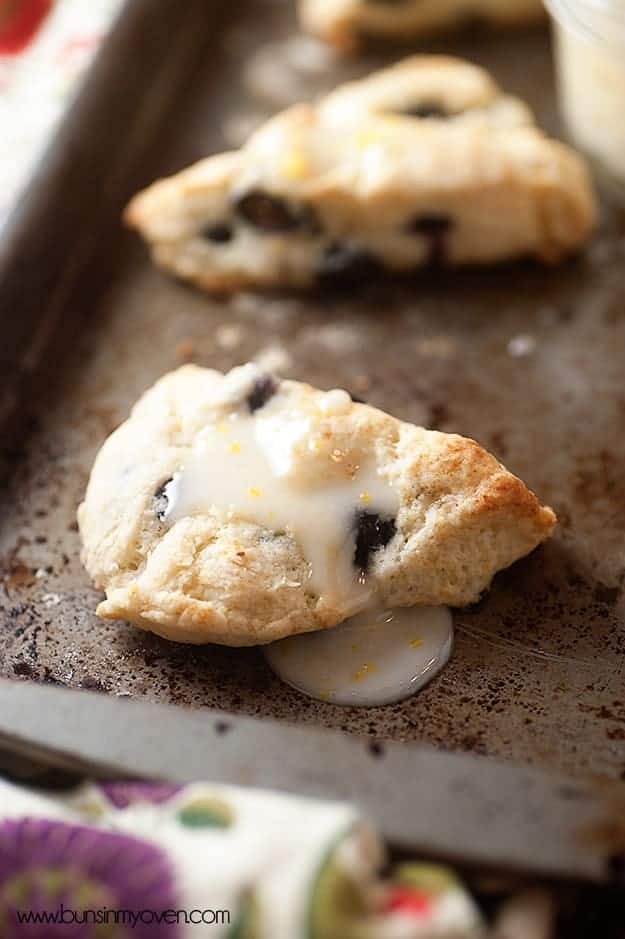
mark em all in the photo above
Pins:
pixel 214 578
pixel 347 23
pixel 370 174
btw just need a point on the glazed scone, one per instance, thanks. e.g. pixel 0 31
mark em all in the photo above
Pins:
pixel 424 163
pixel 345 23
pixel 241 509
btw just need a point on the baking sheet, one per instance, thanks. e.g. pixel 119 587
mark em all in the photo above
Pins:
pixel 527 360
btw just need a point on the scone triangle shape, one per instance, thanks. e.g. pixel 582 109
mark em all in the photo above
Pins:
pixel 241 509
pixel 423 164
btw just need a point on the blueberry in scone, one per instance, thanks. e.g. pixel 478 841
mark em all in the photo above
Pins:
pixel 344 23
pixel 423 164
pixel 242 508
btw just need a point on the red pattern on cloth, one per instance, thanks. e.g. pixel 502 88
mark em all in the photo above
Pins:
pixel 408 900
pixel 19 22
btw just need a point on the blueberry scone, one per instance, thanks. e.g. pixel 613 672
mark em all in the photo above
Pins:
pixel 345 22
pixel 424 163
pixel 241 508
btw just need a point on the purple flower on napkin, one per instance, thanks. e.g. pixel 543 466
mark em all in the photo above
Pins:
pixel 123 794
pixel 72 873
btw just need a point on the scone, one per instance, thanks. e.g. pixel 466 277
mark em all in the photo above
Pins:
pixel 345 22
pixel 241 509
pixel 424 163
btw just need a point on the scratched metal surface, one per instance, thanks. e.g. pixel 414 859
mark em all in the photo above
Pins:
pixel 528 361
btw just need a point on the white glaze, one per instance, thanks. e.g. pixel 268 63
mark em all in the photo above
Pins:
pixel 377 657
pixel 264 468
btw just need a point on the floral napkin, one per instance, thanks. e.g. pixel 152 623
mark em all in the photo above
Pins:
pixel 153 861
pixel 45 47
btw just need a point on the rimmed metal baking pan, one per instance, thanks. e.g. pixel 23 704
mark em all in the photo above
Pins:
pixel 527 360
